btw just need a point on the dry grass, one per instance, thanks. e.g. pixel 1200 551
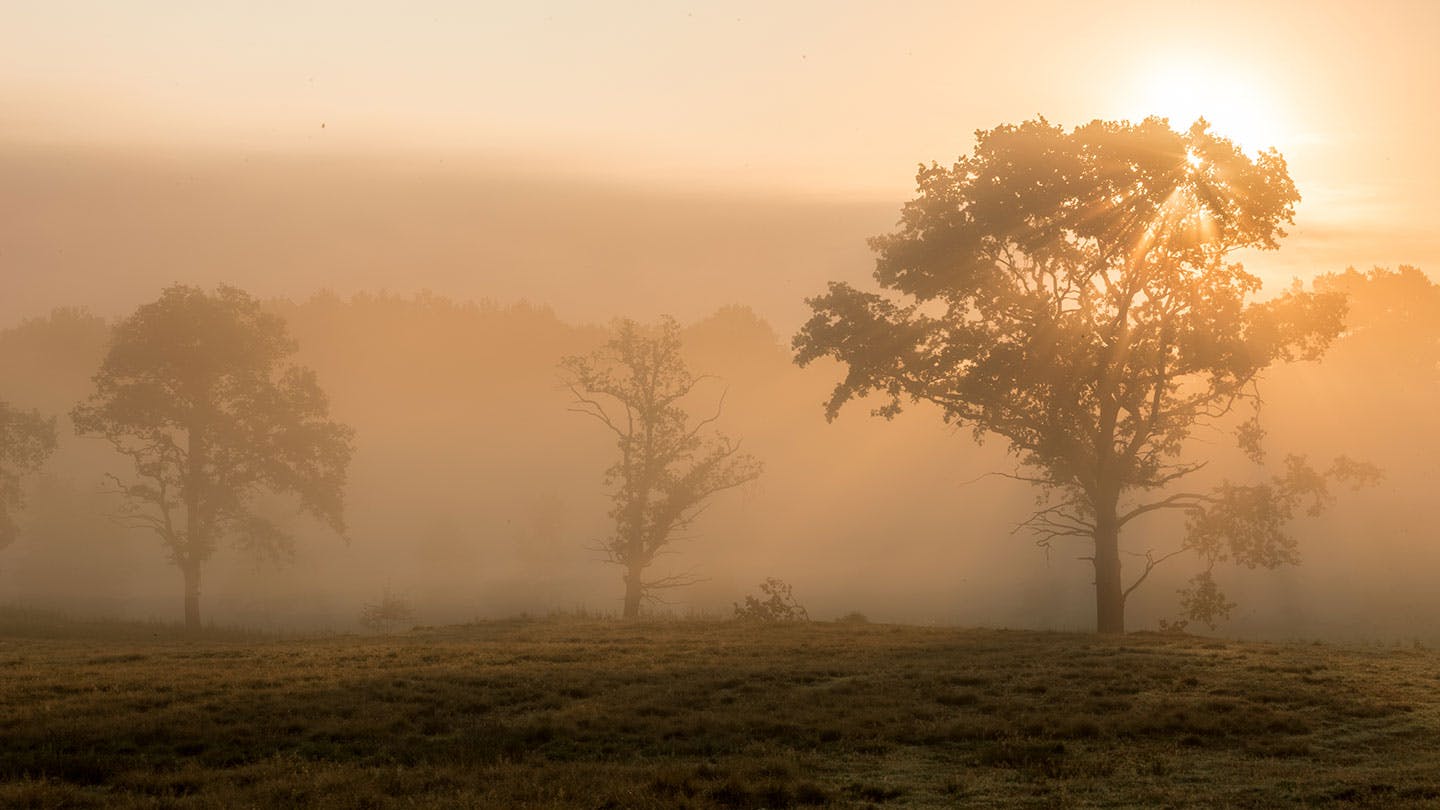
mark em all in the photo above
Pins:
pixel 580 713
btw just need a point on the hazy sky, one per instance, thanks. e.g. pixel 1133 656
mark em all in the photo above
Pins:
pixel 726 152
pixel 834 99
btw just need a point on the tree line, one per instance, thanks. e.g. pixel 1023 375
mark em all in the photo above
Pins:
pixel 1073 293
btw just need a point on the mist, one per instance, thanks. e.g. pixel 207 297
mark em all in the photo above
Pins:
pixel 107 227
pixel 476 493
pixel 734 405
pixel 434 294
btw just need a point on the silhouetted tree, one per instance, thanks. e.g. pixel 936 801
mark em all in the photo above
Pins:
pixel 26 440
pixel 196 390
pixel 1074 293
pixel 668 468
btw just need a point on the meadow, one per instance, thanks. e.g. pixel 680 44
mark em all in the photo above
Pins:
pixel 579 712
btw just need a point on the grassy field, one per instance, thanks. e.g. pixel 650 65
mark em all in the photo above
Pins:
pixel 606 714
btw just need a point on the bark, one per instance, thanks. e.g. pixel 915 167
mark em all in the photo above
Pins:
pixel 194 531
pixel 191 572
pixel 634 589
pixel 1109 595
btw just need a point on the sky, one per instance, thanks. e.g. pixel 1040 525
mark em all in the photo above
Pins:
pixel 832 102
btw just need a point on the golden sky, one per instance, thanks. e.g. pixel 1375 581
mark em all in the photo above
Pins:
pixel 820 98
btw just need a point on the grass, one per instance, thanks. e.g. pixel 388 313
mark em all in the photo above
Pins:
pixel 592 713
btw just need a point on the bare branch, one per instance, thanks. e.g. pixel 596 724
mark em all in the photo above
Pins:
pixel 1151 562
pixel 590 407
pixel 1181 500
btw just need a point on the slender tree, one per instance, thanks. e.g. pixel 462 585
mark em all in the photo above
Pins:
pixel 1074 293
pixel 26 440
pixel 670 465
pixel 198 392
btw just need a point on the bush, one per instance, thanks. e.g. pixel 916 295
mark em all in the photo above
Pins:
pixel 776 603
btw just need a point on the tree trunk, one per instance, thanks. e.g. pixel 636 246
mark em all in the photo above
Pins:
pixel 1109 596
pixel 191 571
pixel 634 589
pixel 194 532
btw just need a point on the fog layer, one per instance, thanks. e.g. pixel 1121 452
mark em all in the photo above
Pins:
pixel 475 492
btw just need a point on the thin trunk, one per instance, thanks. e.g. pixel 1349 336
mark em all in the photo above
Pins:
pixel 634 590
pixel 1109 595
pixel 194 531
pixel 191 572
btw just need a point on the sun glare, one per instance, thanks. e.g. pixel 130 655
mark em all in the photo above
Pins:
pixel 1237 104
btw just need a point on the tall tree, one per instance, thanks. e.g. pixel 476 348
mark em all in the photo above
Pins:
pixel 1074 293
pixel 198 391
pixel 670 465
pixel 26 440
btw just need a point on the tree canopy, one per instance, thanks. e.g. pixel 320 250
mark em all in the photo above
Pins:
pixel 1392 324
pixel 1075 293
pixel 197 391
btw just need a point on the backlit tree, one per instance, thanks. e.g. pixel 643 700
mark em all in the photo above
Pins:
pixel 670 465
pixel 1075 294
pixel 198 392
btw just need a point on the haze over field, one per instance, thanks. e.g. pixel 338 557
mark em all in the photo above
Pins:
pixel 665 159
pixel 442 206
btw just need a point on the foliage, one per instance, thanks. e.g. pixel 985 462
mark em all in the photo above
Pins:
pixel 393 610
pixel 1203 602
pixel 26 440
pixel 776 603
pixel 1392 327
pixel 1073 294
pixel 1246 523
pixel 197 391
pixel 670 466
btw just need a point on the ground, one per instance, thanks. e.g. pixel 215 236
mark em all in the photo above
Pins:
pixel 594 713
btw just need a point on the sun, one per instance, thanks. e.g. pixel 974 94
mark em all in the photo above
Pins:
pixel 1238 103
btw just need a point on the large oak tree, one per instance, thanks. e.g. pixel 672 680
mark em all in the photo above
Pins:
pixel 1075 294
pixel 198 391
